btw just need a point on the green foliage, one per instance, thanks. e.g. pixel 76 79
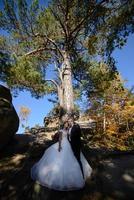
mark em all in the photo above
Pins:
pixel 5 66
pixel 48 25
pixel 2 42
pixel 27 73
pixel 88 25
pixel 37 36
pixel 97 79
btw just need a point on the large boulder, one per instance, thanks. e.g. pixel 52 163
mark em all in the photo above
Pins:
pixel 9 120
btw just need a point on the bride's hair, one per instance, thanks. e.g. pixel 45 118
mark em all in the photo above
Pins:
pixel 64 121
pixel 66 125
pixel 65 118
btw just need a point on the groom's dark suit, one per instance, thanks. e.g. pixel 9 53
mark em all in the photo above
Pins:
pixel 75 141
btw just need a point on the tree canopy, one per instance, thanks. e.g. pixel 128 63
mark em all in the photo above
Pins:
pixel 69 33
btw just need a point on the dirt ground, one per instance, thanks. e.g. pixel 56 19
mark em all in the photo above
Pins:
pixel 112 178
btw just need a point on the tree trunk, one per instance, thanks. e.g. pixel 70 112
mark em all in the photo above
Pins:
pixel 127 125
pixel 67 84
pixel 104 122
pixel 61 96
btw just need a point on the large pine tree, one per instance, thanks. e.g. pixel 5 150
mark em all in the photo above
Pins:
pixel 68 33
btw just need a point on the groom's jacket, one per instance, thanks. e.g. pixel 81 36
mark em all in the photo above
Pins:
pixel 75 141
pixel 75 136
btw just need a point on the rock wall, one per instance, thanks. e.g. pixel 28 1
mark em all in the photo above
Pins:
pixel 9 120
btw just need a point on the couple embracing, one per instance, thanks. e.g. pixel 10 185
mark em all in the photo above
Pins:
pixel 63 166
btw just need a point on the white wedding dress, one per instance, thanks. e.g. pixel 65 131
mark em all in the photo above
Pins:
pixel 60 170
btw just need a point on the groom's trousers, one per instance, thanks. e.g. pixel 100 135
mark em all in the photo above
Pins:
pixel 76 152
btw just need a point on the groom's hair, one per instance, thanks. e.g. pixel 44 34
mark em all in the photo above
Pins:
pixel 67 117
pixel 71 116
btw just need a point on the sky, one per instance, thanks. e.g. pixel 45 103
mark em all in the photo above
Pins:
pixel 125 61
pixel 40 107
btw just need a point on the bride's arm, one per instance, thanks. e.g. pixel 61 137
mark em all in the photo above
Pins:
pixel 60 138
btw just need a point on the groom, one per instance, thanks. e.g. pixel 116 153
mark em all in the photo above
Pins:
pixel 75 140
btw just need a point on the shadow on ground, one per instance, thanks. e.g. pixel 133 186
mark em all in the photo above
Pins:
pixel 112 178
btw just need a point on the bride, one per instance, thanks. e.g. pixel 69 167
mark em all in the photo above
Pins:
pixel 58 168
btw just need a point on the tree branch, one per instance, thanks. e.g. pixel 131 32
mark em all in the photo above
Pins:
pixel 59 20
pixel 60 72
pixel 65 14
pixel 50 40
pixel 38 50
pixel 78 27
pixel 75 77
pixel 52 81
